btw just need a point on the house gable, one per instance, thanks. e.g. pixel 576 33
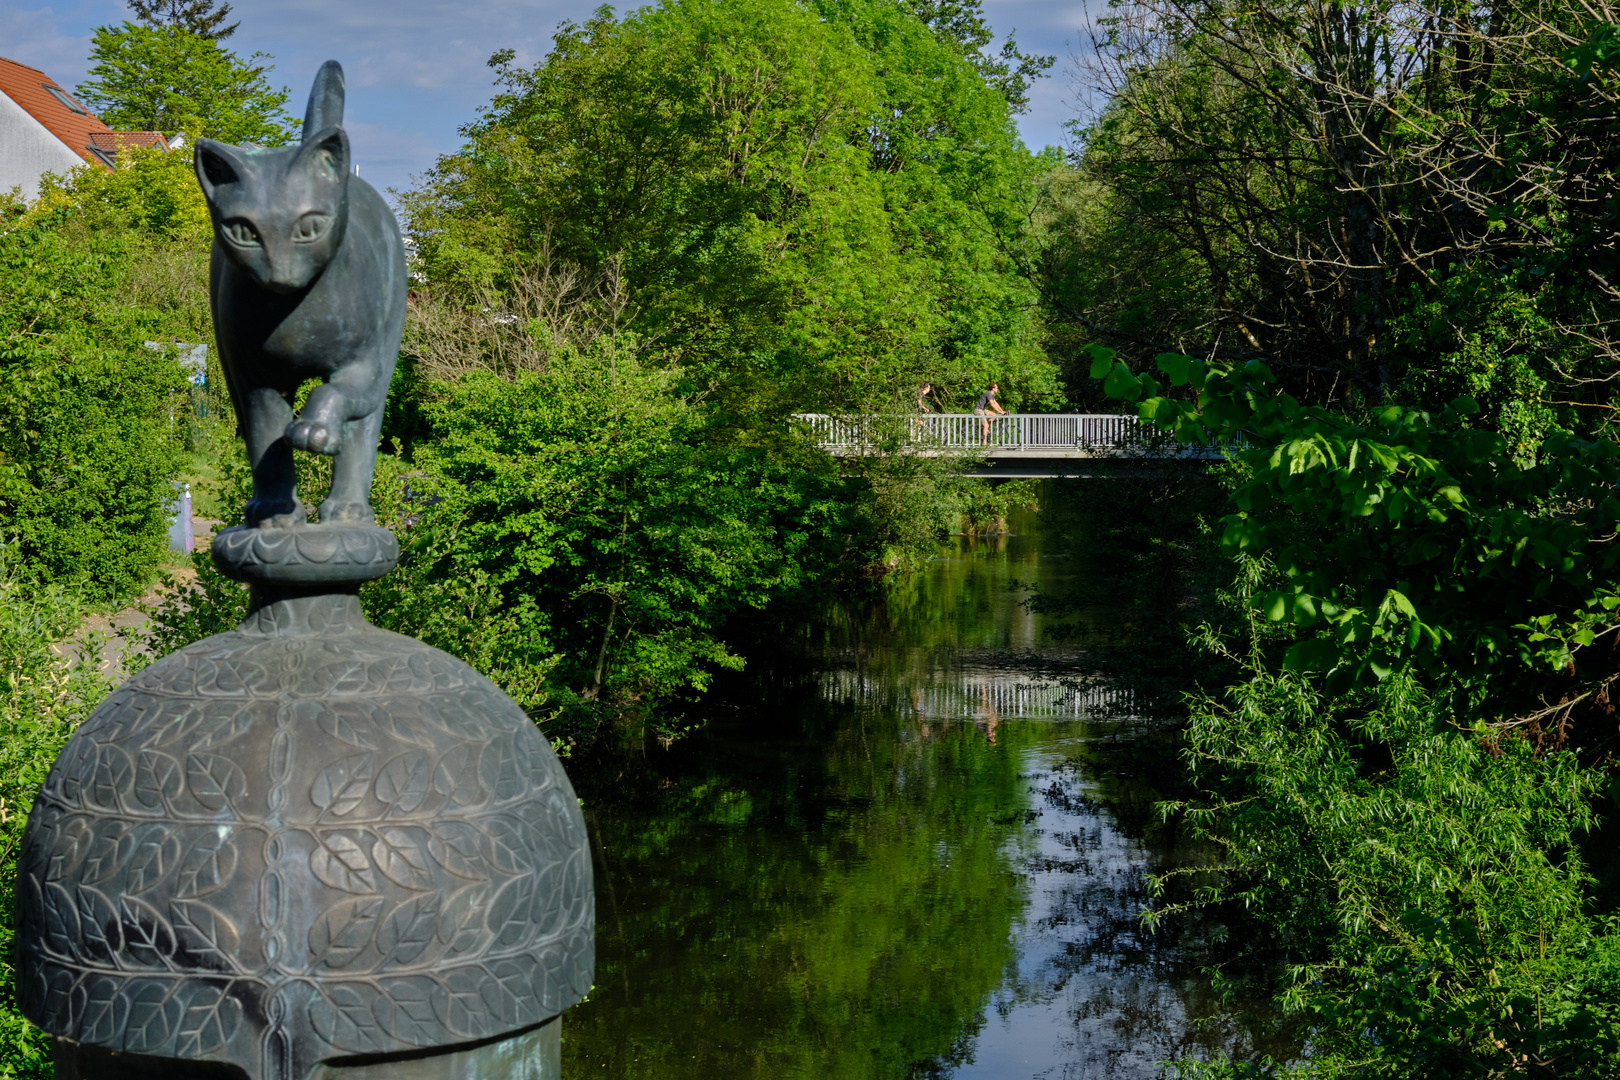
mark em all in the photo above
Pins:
pixel 45 129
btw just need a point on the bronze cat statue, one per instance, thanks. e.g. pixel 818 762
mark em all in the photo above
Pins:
pixel 307 280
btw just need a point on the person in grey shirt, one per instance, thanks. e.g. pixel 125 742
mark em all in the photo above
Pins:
pixel 986 405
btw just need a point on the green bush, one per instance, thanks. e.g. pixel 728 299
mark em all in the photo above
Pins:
pixel 92 423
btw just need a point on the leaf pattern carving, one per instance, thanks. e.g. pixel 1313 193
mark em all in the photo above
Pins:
pixel 207 867
pixel 160 895
pixel 340 786
pixel 153 1015
pixel 114 775
pixel 409 929
pixel 344 721
pixel 148 937
pixel 215 781
pixel 342 932
pixel 505 844
pixel 338 862
pixel 404 1010
pixel 398 854
pixel 205 937
pixel 341 1014
pixel 157 779
pixel 61 919
pixel 101 937
pixel 454 846
pixel 403 782
pixel 209 1022
pixel 509 911
pixel 104 1009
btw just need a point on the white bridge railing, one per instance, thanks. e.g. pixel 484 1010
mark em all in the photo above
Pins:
pixel 1102 434
pixel 970 697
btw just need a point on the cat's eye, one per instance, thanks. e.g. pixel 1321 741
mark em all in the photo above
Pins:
pixel 310 227
pixel 240 233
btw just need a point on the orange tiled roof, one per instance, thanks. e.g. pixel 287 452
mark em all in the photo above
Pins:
pixel 114 141
pixel 83 132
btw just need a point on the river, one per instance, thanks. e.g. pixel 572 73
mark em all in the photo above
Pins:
pixel 927 857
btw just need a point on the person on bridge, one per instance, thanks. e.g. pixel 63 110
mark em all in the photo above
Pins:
pixel 987 404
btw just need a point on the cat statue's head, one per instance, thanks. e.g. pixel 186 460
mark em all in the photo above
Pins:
pixel 279 214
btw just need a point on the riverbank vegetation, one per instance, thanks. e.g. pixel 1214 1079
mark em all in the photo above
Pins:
pixel 1376 244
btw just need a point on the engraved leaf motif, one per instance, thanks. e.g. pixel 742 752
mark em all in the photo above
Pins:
pixel 157 779
pixel 399 854
pixel 61 920
pixel 341 1014
pixel 394 721
pixel 509 911
pixel 461 919
pixel 98 925
pixel 114 775
pixel 503 992
pixel 71 845
pixel 206 936
pixel 153 857
pixel 207 867
pixel 339 863
pixel 104 1009
pixel 403 782
pixel 506 844
pixel 153 1013
pixel 454 846
pixel 499 770
pixel 404 1010
pixel 461 1007
pixel 340 787
pixel 215 781
pixel 408 929
pixel 148 937
pixel 455 777
pixel 209 1022
pixel 343 931
pixel 221 722
pixel 342 722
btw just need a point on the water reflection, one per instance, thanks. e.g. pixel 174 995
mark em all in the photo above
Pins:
pixel 926 862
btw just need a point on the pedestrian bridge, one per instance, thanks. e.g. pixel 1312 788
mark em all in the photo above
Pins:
pixel 1015 444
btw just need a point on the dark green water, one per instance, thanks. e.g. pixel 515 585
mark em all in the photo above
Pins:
pixel 926 859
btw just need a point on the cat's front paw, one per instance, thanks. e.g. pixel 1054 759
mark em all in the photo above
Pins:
pixel 274 513
pixel 315 437
pixel 334 511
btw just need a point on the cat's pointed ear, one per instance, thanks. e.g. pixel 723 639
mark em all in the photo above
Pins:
pixel 217 165
pixel 328 151
pixel 325 107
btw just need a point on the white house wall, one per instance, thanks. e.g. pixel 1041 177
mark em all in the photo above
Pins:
pixel 28 150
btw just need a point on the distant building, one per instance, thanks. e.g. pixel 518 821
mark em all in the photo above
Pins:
pixel 44 129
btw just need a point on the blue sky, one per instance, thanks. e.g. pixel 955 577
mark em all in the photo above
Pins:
pixel 416 68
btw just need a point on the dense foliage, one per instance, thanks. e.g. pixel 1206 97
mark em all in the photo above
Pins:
pixel 801 207
pixel 89 433
pixel 172 79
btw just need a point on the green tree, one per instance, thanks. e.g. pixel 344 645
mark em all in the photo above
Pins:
pixel 804 208
pixel 171 79
pixel 198 16
pixel 1011 71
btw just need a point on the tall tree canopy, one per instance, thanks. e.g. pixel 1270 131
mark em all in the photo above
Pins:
pixel 199 16
pixel 171 79
pixel 1379 199
pixel 804 205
